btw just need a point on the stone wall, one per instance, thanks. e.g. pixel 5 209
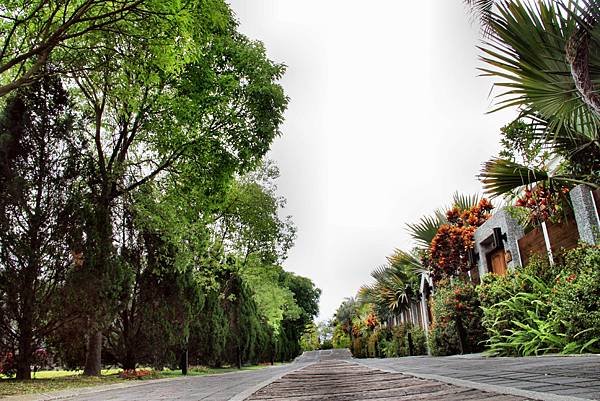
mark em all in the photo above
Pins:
pixel 508 226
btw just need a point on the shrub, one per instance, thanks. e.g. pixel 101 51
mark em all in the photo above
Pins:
pixel 541 309
pixel 576 299
pixel 7 364
pixel 131 374
pixel 341 339
pixel 456 308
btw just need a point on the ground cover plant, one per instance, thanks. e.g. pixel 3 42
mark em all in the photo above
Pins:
pixel 545 309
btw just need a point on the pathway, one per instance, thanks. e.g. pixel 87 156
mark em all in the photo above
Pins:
pixel 342 380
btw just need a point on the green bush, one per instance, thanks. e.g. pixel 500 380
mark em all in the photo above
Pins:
pixel 576 299
pixel 542 308
pixel 455 305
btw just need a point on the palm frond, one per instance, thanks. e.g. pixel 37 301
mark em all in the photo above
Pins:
pixel 424 231
pixel 481 10
pixel 465 202
pixel 500 177
pixel 526 53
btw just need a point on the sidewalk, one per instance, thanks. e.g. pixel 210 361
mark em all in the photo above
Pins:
pixel 573 377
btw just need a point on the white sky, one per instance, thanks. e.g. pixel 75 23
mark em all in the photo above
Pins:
pixel 386 121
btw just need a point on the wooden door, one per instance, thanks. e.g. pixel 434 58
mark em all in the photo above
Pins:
pixel 497 262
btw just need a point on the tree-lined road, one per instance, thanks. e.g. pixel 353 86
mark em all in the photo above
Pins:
pixel 335 375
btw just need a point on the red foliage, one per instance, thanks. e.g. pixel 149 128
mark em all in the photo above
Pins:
pixel 544 204
pixel 131 374
pixel 7 364
pixel 371 321
pixel 449 249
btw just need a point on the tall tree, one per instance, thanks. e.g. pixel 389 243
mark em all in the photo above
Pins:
pixel 40 167
pixel 214 116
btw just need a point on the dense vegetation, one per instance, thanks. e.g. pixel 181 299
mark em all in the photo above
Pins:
pixel 139 219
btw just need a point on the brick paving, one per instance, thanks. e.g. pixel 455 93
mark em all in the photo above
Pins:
pixel 345 381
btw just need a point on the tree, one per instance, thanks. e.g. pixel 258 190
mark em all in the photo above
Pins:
pixel 250 223
pixel 39 184
pixel 345 313
pixel 396 285
pixel 37 33
pixel 449 249
pixel 545 58
pixel 307 298
pixel 215 117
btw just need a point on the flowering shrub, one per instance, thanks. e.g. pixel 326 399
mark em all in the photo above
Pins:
pixel 456 303
pixel 7 364
pixel 371 321
pixel 544 204
pixel 449 249
pixel 131 374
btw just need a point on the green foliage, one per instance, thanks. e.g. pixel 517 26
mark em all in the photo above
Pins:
pixel 396 285
pixel 546 69
pixel 390 342
pixel 310 339
pixel 455 303
pixel 39 181
pixel 542 309
pixel 576 300
pixel 340 338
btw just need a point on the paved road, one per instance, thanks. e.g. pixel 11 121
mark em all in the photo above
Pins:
pixel 342 380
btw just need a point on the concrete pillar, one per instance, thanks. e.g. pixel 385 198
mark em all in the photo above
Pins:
pixel 586 214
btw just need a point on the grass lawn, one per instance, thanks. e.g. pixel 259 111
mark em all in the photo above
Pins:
pixel 54 380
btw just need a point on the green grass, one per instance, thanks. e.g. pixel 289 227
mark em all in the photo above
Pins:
pixel 203 370
pixel 55 380
pixel 43 385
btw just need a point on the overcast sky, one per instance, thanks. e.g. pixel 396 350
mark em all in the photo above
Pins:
pixel 386 121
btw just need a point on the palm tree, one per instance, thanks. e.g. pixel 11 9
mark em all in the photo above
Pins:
pixel 546 59
pixel 395 285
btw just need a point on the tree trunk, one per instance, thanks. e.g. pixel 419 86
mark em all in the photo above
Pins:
pixel 23 358
pixel 93 357
pixel 100 252
pixel 25 325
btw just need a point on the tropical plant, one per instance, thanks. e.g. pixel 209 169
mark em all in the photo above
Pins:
pixel 449 249
pixel 541 308
pixel 456 326
pixel 395 286
pixel 545 58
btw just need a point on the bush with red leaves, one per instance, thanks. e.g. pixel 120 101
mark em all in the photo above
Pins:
pixel 449 249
